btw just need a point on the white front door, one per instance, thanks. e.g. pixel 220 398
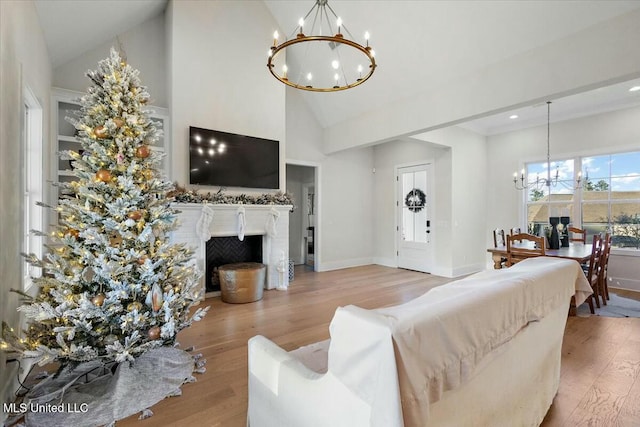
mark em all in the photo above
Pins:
pixel 414 218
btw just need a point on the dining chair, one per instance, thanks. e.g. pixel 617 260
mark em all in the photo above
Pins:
pixel 498 242
pixel 604 265
pixel 515 230
pixel 593 272
pixel 498 238
pixel 577 235
pixel 529 246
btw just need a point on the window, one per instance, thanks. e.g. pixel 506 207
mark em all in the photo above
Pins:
pixel 545 200
pixel 32 182
pixel 609 199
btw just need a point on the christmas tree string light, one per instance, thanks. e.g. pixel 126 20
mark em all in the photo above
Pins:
pixel 113 286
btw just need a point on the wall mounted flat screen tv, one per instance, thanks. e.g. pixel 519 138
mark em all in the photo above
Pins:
pixel 230 160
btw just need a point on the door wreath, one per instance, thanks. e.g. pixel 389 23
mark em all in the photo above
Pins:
pixel 415 200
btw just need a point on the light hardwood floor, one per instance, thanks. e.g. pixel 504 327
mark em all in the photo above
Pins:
pixel 600 380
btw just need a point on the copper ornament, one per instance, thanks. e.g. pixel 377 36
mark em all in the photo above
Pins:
pixel 103 175
pixel 154 333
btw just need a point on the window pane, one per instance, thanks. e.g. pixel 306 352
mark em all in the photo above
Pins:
pixel 594 229
pixel 625 188
pixel 630 182
pixel 595 213
pixel 563 200
pixel 562 209
pixel 560 174
pixel 626 225
pixel 538 214
pixel 596 167
pixel 596 189
pixel 625 164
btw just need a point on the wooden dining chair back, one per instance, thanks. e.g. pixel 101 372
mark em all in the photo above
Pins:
pixel 593 272
pixel 577 235
pixel 498 238
pixel 500 242
pixel 528 246
pixel 514 230
pixel 604 265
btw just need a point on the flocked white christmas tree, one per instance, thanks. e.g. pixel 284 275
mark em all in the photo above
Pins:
pixel 113 286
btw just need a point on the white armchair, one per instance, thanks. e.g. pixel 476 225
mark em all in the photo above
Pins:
pixel 484 350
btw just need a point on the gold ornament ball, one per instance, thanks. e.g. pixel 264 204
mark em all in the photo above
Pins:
pixel 141 260
pixel 135 215
pixel 119 122
pixel 134 306
pixel 154 333
pixel 73 233
pixel 98 300
pixel 147 173
pixel 100 132
pixel 103 175
pixel 143 151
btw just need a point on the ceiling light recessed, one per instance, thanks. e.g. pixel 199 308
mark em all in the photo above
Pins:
pixel 634 89
pixel 513 116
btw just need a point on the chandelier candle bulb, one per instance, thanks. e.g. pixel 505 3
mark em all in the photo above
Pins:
pixel 339 24
pixel 275 38
pixel 366 38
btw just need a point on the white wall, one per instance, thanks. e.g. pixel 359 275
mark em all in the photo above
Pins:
pixel 386 157
pixel 23 60
pixel 467 199
pixel 344 195
pixel 218 77
pixel 145 48
pixel 304 133
pixel 347 209
pixel 602 133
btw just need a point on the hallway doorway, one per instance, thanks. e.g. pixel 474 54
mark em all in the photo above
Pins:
pixel 303 231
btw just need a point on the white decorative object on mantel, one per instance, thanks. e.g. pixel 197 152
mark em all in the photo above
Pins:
pixel 204 223
pixel 269 221
pixel 272 222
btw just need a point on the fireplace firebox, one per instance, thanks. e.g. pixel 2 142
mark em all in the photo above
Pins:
pixel 229 250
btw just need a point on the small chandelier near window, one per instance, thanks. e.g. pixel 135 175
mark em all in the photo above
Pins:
pixel 317 62
pixel 540 183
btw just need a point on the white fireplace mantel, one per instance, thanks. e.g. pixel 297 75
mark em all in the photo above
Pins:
pixel 275 248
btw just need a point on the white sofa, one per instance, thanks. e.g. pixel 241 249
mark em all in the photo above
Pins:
pixel 481 351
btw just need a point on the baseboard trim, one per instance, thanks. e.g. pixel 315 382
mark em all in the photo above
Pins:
pixel 346 263
pixel 387 262
pixel 624 283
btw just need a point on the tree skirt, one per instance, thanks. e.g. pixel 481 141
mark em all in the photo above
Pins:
pixel 94 395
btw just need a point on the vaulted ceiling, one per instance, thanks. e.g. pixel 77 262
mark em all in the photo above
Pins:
pixel 419 45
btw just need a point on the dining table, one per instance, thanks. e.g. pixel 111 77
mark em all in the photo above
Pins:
pixel 576 251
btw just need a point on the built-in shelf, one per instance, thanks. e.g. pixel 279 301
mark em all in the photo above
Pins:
pixel 66 103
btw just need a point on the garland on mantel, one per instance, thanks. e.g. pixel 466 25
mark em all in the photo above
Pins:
pixel 183 195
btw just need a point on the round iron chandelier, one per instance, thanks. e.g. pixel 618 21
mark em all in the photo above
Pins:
pixel 321 63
